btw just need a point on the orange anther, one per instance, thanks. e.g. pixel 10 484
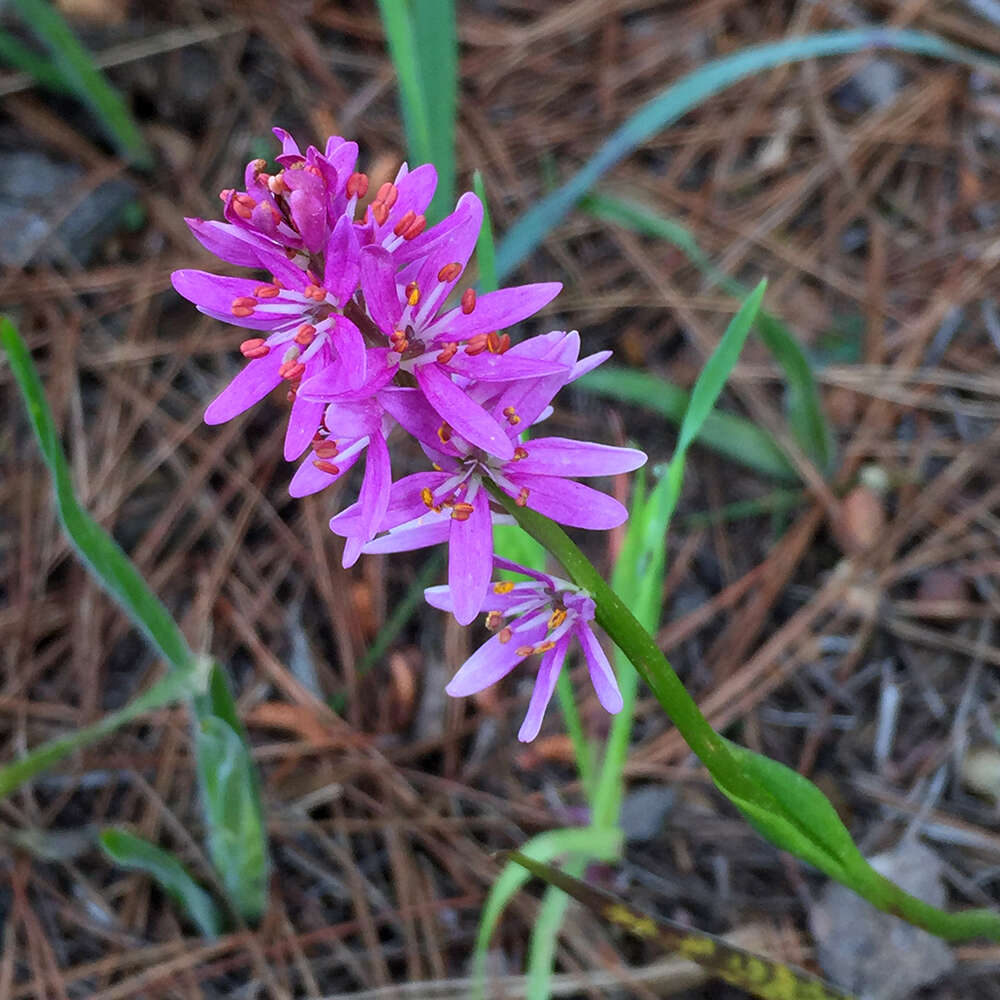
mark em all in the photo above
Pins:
pixel 225 194
pixel 326 449
pixel 505 634
pixel 315 293
pixel 462 511
pixel 522 497
pixel 450 271
pixel 448 352
pixel 266 291
pixel 524 650
pixel 415 228
pixel 254 348
pixel 379 212
pixel 493 342
pixel 476 345
pixel 357 185
pixel 504 343
pixel 412 293
pixel 427 497
pixel 404 223
pixel 305 335
pixel 557 617
pixel 243 205
pixel 243 306
pixel 520 453
pixel 503 587
pixel 383 191
pixel 328 467
pixel 511 414
pixel 545 647
pixel 444 434
pixel 291 370
pixel 468 300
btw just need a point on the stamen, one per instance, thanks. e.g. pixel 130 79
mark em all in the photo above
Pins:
pixel 522 497
pixel 494 620
pixel 315 293
pixel 404 222
pixel 462 511
pixel 504 343
pixel 427 497
pixel 328 467
pixel 387 195
pixel 243 205
pixel 243 306
pixel 379 212
pixel 449 351
pixel 468 300
pixel 276 184
pixel 505 634
pixel 503 587
pixel 556 619
pixel 291 370
pixel 476 345
pixel 357 186
pixel 450 271
pixel 545 647
pixel 493 342
pixel 524 650
pixel 254 348
pixel 520 453
pixel 326 449
pixel 412 293
pixel 416 227
pixel 511 414
pixel 444 434
pixel 306 334
pixel 225 194
pixel 266 291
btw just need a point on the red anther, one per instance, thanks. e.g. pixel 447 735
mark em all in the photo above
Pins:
pixel 387 195
pixel 315 293
pixel 379 212
pixel 522 497
pixel 254 348
pixel 243 205
pixel 275 215
pixel 404 223
pixel 450 271
pixel 476 345
pixel 328 467
pixel 416 227
pixel 312 169
pixel 493 342
pixel 243 306
pixel 494 620
pixel 412 293
pixel 305 335
pixel 291 370
pixel 357 186
pixel 383 191
pixel 225 194
pixel 462 511
pixel 276 282
pixel 511 414
pixel 326 449
pixel 504 343
pixel 444 434
pixel 520 453
pixel 524 650
pixel 468 300
pixel 450 350
pixel 291 394
pixel 276 183
pixel 266 291
pixel 505 634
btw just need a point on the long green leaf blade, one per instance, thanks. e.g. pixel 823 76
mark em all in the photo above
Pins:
pixel 677 100
pixel 129 851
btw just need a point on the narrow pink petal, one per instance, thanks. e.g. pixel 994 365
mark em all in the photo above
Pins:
pixel 459 229
pixel 343 261
pixel 556 456
pixel 378 282
pixel 440 597
pixel 227 242
pixel 470 559
pixel 545 684
pixel 289 147
pixel 308 479
pixel 489 367
pixel 569 502
pixel 431 529
pixel 500 309
pixel 405 504
pixel 466 418
pixel 303 422
pixel 214 292
pixel 601 675
pixel 492 662
pixel 351 351
pixel 250 386
pixel 410 409
pixel 373 498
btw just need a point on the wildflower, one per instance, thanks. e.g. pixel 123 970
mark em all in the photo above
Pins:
pixel 539 616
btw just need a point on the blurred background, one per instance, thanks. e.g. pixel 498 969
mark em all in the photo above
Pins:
pixel 833 570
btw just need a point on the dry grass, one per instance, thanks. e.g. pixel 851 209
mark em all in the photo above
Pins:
pixel 878 221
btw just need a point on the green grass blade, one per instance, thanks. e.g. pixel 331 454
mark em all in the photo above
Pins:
pixel 83 78
pixel 20 57
pixel 803 403
pixel 677 100
pixel 605 845
pixel 101 553
pixel 486 251
pixel 129 851
pixel 734 437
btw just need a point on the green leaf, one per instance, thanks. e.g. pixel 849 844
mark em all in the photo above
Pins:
pixel 605 845
pixel 734 437
pixel 74 64
pixel 486 251
pixel 803 403
pixel 423 46
pixel 237 838
pixel 135 853
pixel 677 100
pixel 760 976
pixel 20 57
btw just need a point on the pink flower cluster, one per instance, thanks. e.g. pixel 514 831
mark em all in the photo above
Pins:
pixel 362 319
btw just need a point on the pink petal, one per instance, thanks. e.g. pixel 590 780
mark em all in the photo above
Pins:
pixel 405 504
pixel 470 559
pixel 431 529
pixel 545 684
pixel 303 422
pixel 569 502
pixel 378 282
pixel 250 386
pixel 410 409
pixel 601 675
pixel 373 498
pixel 492 662
pixel 556 456
pixel 343 264
pixel 351 352
pixel 497 310
pixel 308 479
pixel 489 367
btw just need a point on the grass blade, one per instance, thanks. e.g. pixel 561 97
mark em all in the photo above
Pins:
pixel 79 73
pixel 761 977
pixel 677 100
pixel 129 851
pixel 486 251
pixel 803 403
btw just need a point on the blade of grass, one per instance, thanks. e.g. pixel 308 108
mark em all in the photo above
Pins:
pixel 83 78
pixel 129 851
pixel 486 252
pixel 760 976
pixel 803 402
pixel 20 57
pixel 735 437
pixel 531 229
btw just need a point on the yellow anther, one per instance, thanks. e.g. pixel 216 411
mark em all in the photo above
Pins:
pixel 557 617
pixel 503 587
pixel 427 497
pixel 545 647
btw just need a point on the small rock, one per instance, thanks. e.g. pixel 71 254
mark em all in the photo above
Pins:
pixel 643 812
pixel 873 954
